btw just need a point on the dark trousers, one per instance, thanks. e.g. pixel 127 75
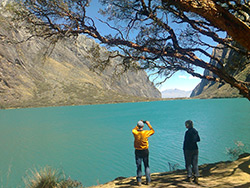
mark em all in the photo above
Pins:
pixel 142 155
pixel 191 160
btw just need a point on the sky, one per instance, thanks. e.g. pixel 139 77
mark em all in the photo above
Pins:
pixel 180 80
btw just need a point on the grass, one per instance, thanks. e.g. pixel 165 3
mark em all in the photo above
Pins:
pixel 49 178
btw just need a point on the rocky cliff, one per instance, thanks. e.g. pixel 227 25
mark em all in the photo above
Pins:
pixel 30 77
pixel 237 65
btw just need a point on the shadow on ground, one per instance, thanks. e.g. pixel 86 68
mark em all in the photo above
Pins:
pixel 222 174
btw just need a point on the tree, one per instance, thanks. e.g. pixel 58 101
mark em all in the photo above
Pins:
pixel 221 14
pixel 162 36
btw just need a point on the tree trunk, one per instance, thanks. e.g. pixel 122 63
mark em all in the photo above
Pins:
pixel 218 17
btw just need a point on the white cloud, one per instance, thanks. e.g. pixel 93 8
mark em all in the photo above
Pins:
pixel 192 77
pixel 184 77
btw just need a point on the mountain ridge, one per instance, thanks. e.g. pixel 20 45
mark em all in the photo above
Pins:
pixel 31 78
pixel 236 64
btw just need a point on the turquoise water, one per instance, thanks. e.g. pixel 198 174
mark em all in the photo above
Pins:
pixel 94 144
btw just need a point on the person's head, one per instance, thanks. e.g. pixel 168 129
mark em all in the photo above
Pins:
pixel 140 124
pixel 189 124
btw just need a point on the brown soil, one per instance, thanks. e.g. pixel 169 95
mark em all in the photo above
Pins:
pixel 220 175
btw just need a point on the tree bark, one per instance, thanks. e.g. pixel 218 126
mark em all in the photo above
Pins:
pixel 218 17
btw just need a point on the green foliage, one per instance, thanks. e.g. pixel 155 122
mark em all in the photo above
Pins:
pixel 49 178
pixel 236 151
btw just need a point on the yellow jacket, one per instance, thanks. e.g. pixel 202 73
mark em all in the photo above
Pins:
pixel 141 137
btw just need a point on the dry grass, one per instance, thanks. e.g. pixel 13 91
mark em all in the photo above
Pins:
pixel 49 178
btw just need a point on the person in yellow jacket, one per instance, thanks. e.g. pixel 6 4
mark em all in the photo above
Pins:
pixel 141 149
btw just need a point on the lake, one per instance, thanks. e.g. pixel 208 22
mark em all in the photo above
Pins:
pixel 94 143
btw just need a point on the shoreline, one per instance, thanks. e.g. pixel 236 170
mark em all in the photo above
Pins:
pixel 222 174
pixel 2 107
pixel 86 104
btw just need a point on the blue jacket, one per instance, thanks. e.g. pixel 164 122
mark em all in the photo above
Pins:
pixel 190 140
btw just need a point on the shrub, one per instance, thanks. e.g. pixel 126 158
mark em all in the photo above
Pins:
pixel 236 151
pixel 49 178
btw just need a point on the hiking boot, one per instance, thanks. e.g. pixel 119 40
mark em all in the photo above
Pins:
pixel 139 183
pixel 196 180
pixel 189 179
pixel 147 183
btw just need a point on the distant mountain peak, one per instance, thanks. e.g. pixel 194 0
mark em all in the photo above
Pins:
pixel 175 93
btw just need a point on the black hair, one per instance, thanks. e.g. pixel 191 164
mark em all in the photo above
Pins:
pixel 189 124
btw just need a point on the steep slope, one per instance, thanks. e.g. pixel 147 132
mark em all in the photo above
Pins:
pixel 233 61
pixel 31 78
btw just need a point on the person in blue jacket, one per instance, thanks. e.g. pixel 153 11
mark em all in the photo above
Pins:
pixel 190 148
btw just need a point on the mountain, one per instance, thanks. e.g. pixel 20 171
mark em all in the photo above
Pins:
pixel 233 63
pixel 32 77
pixel 175 93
